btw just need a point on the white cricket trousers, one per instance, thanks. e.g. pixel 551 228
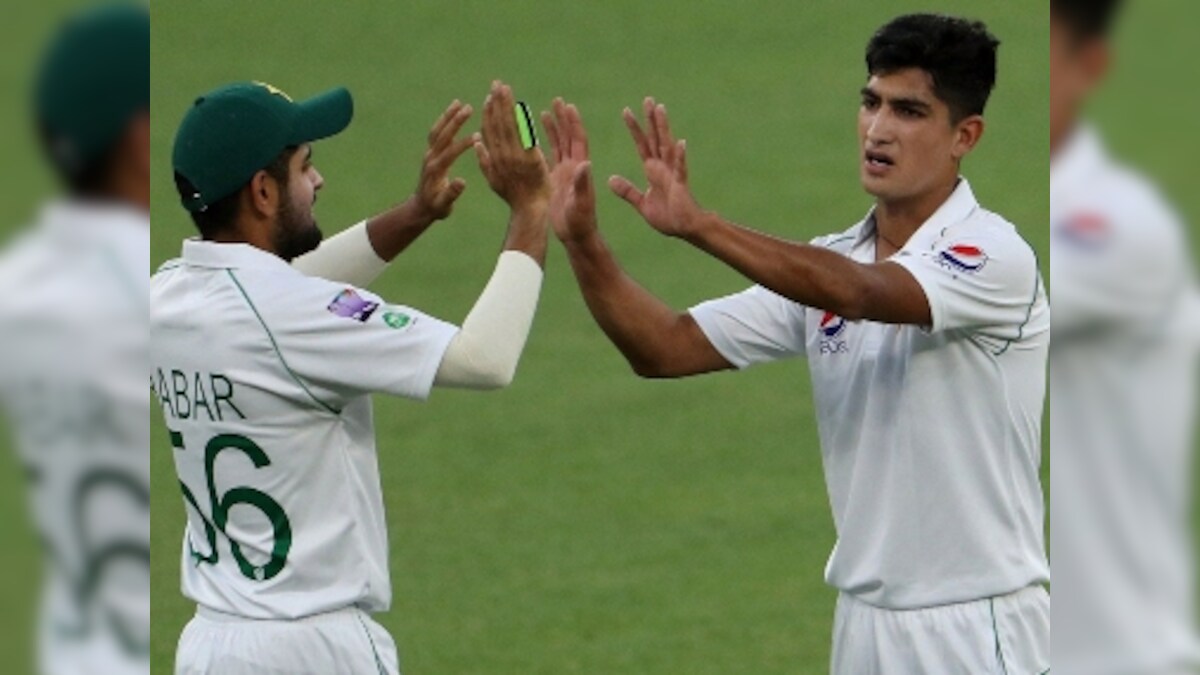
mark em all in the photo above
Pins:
pixel 1005 635
pixel 343 642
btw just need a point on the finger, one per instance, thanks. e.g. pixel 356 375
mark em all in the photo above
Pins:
pixel 626 190
pixel 450 155
pixel 579 142
pixel 651 129
pixel 489 119
pixel 666 144
pixel 563 126
pixel 449 130
pixel 552 134
pixel 639 137
pixel 583 182
pixel 455 190
pixel 681 169
pixel 485 159
pixel 450 111
pixel 506 105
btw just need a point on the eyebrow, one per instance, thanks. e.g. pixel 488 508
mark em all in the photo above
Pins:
pixel 308 157
pixel 903 101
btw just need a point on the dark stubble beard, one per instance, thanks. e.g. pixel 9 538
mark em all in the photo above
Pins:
pixel 296 232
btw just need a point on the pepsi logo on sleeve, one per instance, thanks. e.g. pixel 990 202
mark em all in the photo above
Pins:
pixel 1084 230
pixel 964 258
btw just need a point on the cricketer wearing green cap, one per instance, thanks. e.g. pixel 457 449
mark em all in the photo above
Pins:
pixel 265 349
pixel 74 345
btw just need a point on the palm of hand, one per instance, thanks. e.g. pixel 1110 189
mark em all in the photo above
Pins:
pixel 664 196
pixel 569 210
pixel 437 196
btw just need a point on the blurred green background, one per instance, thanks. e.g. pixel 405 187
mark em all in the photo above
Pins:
pixel 582 521
pixel 585 521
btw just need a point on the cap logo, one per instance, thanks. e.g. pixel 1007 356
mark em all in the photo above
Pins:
pixel 274 90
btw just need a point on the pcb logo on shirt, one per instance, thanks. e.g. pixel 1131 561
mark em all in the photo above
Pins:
pixel 963 258
pixel 831 328
pixel 350 305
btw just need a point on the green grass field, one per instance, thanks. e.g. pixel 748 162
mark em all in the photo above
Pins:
pixel 585 521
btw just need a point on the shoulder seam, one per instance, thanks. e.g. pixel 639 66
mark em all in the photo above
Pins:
pixel 1037 285
pixel 275 345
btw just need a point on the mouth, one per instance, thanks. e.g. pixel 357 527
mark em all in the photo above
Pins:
pixel 877 162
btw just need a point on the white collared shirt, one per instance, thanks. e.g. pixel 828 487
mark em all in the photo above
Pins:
pixel 73 349
pixel 1122 406
pixel 264 376
pixel 930 436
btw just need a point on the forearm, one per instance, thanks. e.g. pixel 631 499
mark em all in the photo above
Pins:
pixel 527 230
pixel 397 228
pixel 347 257
pixel 485 352
pixel 639 324
pixel 360 253
pixel 809 275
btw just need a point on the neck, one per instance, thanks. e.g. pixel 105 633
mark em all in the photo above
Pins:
pixel 131 193
pixel 1059 136
pixel 897 220
pixel 135 192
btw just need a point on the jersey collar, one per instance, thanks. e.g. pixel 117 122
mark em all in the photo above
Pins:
pixel 955 209
pixel 1074 163
pixel 93 220
pixel 200 253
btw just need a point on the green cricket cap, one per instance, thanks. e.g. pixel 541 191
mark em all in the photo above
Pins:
pixel 92 79
pixel 233 132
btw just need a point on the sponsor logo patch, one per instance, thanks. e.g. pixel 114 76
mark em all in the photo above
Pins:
pixel 350 305
pixel 1085 230
pixel 963 258
pixel 831 328
pixel 396 319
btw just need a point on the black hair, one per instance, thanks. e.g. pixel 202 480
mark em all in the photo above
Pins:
pixel 1086 19
pixel 221 214
pixel 88 178
pixel 959 54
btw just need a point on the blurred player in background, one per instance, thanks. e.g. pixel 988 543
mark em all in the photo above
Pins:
pixel 264 373
pixel 73 345
pixel 1122 374
pixel 926 328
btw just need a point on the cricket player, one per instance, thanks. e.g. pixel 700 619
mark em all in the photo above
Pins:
pixel 1123 381
pixel 74 344
pixel 264 373
pixel 925 326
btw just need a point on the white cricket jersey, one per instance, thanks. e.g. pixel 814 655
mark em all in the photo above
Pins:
pixel 73 351
pixel 1122 394
pixel 930 436
pixel 264 377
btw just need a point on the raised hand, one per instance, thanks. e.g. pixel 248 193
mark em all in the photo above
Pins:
pixel 519 176
pixel 572 196
pixel 667 204
pixel 436 193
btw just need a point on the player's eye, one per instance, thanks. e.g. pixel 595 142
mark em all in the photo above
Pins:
pixel 911 113
pixel 870 102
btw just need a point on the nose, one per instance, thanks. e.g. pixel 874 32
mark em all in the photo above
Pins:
pixel 879 128
pixel 318 180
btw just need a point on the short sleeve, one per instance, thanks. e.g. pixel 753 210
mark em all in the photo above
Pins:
pixel 1117 266
pixel 350 342
pixel 983 282
pixel 754 326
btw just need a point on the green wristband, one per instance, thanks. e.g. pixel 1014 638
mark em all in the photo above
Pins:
pixel 525 126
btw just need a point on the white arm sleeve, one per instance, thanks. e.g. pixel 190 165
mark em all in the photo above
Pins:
pixel 347 258
pixel 485 352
